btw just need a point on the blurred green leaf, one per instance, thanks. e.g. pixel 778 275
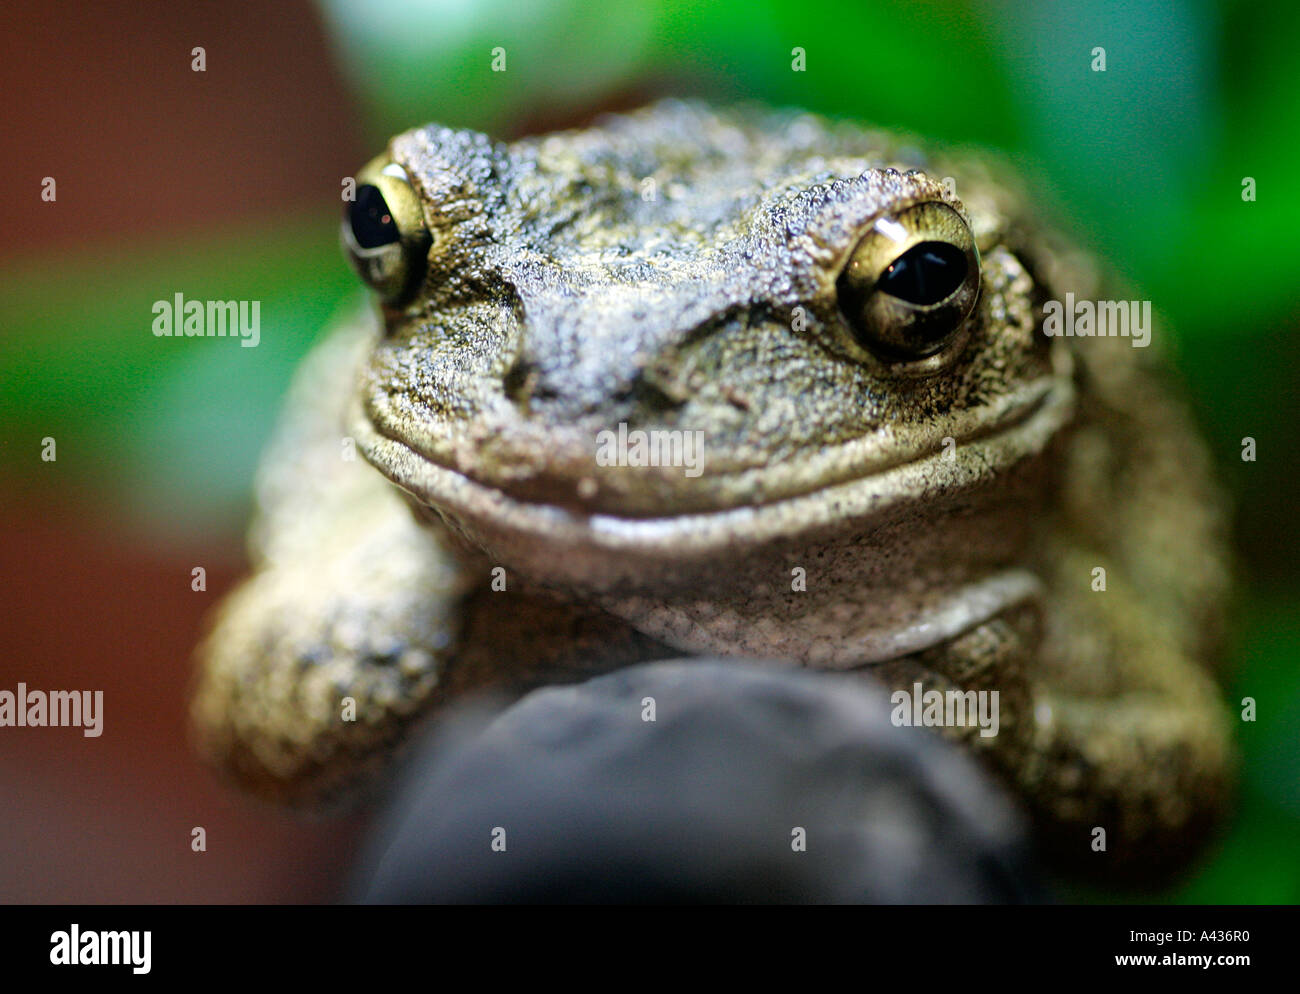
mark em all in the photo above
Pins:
pixel 170 426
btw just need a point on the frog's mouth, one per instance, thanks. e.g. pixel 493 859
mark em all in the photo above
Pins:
pixel 497 518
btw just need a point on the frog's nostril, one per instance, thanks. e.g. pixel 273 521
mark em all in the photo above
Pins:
pixel 516 383
pixel 523 384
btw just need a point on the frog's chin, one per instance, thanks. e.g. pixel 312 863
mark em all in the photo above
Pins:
pixel 504 524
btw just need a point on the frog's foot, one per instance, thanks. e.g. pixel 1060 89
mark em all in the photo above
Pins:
pixel 1132 760
pixel 314 670
pixel 1129 786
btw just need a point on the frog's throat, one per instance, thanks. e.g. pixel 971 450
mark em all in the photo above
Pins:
pixel 502 523
pixel 840 636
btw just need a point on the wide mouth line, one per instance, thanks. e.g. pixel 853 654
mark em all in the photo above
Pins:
pixel 503 502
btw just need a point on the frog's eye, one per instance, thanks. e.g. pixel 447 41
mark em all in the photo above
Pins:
pixel 384 234
pixel 911 282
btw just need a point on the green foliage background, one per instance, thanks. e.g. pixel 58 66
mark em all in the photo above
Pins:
pixel 1145 161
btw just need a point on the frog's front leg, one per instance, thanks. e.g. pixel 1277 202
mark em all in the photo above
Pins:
pixel 320 660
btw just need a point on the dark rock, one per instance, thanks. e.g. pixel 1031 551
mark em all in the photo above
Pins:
pixel 700 805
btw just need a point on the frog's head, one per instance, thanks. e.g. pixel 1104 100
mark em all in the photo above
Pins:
pixel 685 332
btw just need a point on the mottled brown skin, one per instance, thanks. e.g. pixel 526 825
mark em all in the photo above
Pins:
pixel 562 295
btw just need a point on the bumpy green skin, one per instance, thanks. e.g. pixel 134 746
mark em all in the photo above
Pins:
pixel 676 269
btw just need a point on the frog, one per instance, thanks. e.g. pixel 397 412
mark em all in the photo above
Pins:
pixel 903 476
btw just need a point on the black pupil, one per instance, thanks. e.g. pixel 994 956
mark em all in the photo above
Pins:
pixel 925 274
pixel 371 220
